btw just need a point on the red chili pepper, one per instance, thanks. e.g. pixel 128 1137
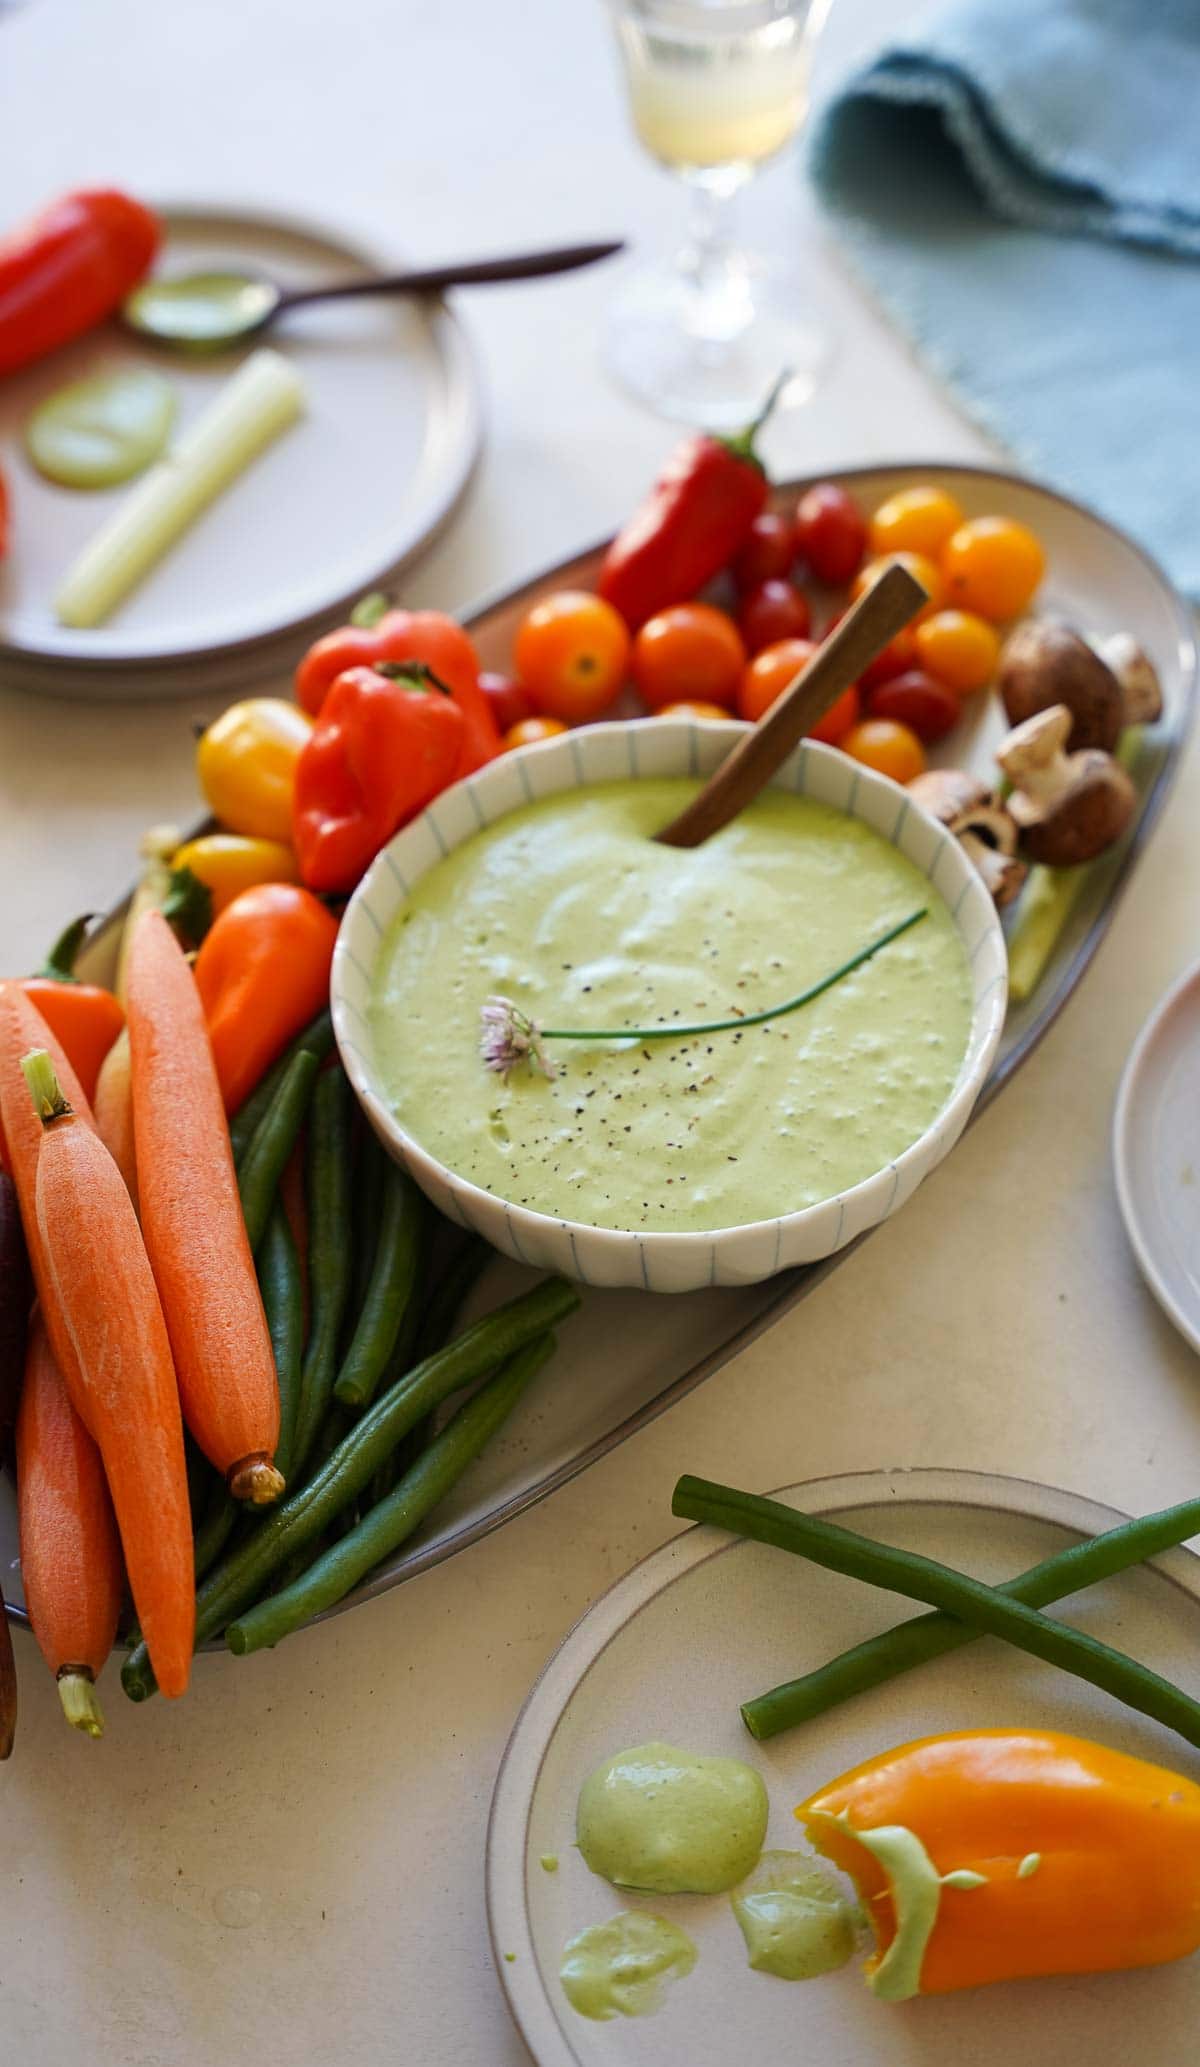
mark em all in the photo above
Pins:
pixel 382 748
pixel 67 268
pixel 378 634
pixel 696 517
pixel 85 1016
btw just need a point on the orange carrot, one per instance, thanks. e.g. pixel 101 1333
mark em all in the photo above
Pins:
pixel 70 1550
pixel 192 1221
pixel 100 1279
pixel 22 1028
pixel 114 1111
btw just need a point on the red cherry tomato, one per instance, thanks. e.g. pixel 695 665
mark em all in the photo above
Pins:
pixel 767 554
pixel 840 719
pixel 899 653
pixel 509 701
pixel 571 652
pixel 774 611
pixel 528 731
pixel 831 532
pixel 691 653
pixel 914 699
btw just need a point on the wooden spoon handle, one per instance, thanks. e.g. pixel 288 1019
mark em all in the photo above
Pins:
pixel 885 608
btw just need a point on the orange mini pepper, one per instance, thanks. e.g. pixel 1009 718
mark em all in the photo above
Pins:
pixel 262 973
pixel 86 1017
pixel 1063 1857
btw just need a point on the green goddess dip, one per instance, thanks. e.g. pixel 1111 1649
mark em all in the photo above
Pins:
pixel 619 1968
pixel 672 1822
pixel 568 907
pixel 794 1918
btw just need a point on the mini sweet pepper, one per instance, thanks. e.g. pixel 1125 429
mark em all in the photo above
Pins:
pixel 397 637
pixel 262 973
pixel 246 763
pixel 86 1017
pixel 988 1855
pixel 383 747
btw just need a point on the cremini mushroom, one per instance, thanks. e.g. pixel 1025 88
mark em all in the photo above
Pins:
pixel 1069 807
pixel 1137 678
pixel 1043 662
pixel 985 831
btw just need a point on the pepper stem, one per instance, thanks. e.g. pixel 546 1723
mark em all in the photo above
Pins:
pixel 415 674
pixel 742 442
pixel 369 609
pixel 77 1692
pixel 44 1087
pixel 59 965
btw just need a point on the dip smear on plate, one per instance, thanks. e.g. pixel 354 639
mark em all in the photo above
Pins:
pixel 569 908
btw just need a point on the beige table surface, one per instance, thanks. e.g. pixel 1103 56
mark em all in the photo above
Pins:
pixel 290 1863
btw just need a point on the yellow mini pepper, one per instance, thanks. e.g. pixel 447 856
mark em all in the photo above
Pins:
pixel 994 1854
pixel 228 863
pixel 246 762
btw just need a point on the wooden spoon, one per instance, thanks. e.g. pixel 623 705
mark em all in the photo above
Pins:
pixel 886 607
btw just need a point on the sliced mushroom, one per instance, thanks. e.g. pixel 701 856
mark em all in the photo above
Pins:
pixel 1043 663
pixel 1137 678
pixel 984 829
pixel 1069 807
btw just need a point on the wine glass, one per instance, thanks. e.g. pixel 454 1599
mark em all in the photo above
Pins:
pixel 716 88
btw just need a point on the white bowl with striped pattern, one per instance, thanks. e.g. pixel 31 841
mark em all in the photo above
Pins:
pixel 679 1262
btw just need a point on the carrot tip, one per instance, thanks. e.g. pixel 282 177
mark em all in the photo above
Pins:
pixel 77 1693
pixel 255 1479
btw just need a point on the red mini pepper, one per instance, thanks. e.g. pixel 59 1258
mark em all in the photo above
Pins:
pixel 399 636
pixel 85 1017
pixel 69 267
pixel 696 517
pixel 384 745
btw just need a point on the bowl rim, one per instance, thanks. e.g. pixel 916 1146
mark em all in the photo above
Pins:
pixel 987 1014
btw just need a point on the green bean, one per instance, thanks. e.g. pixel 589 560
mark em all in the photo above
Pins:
pixel 451 1294
pixel 328 1180
pixel 214 1527
pixel 926 1637
pixel 921 1578
pixel 316 1039
pixel 407 1352
pixel 370 1166
pixel 269 1147
pixel 296 1520
pixel 390 1292
pixel 281 1284
pixel 388 1525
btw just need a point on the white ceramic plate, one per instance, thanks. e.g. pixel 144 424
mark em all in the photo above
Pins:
pixel 346 495
pixel 705 1622
pixel 1156 1152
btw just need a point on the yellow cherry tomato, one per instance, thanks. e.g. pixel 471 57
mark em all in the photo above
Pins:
pixel 915 520
pixel 922 569
pixel 886 746
pixel 230 863
pixel 696 708
pixel 992 566
pixel 958 649
pixel 528 731
pixel 246 762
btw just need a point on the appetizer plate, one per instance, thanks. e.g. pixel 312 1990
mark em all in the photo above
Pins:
pixel 340 501
pixel 1156 1153
pixel 707 1621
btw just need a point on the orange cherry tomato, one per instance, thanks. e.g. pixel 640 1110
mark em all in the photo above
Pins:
pixel 769 673
pixel 992 566
pixel 915 520
pixel 886 746
pixel 691 653
pixel 958 649
pixel 691 710
pixel 572 655
pixel 922 569
pixel 527 732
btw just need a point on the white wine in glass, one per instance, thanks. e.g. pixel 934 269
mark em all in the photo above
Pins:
pixel 716 87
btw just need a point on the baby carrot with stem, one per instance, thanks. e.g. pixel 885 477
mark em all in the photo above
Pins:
pixel 114 1110
pixel 192 1221
pixel 100 1278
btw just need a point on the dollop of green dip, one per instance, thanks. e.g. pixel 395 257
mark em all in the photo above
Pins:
pixel 795 1919
pixel 204 310
pixel 620 1968
pixel 101 431
pixel 570 908
pixel 672 1822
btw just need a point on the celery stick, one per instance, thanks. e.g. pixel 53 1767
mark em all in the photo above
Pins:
pixel 262 399
pixel 1047 902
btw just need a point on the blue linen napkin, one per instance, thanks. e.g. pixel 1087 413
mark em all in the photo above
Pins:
pixel 1019 181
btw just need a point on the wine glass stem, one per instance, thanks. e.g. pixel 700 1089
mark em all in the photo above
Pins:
pixel 718 302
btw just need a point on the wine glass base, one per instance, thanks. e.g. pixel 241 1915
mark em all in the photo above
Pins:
pixel 708 362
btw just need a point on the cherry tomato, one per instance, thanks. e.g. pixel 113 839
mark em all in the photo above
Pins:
pixel 768 552
pixel 922 569
pixel 958 649
pixel 830 532
pixel 572 654
pixel 527 732
pixel 899 653
pixel 691 710
pixel 509 701
pixel 773 611
pixel 691 653
pixel 888 748
pixel 769 674
pixel 915 520
pixel 927 707
pixel 992 566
